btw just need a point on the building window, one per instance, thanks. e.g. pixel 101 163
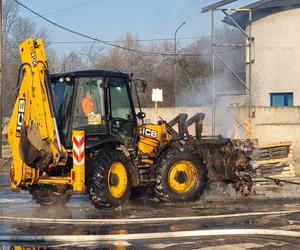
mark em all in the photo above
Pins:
pixel 282 99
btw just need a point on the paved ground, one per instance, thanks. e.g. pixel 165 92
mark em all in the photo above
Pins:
pixel 219 200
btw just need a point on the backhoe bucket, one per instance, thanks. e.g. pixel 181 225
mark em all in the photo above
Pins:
pixel 30 155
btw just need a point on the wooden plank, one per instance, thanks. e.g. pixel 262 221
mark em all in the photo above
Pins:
pixel 283 175
pixel 269 170
pixel 273 150
pixel 284 143
pixel 270 154
pixel 287 179
pixel 262 162
pixel 286 168
pixel 293 179
pixel 277 164
pixel 265 157
pixel 275 167
pixel 271 157
pixel 274 171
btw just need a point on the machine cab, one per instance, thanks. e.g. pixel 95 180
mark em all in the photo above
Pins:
pixel 98 102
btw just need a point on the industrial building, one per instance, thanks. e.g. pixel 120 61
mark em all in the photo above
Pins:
pixel 275 30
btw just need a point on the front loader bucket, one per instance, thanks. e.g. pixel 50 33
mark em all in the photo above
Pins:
pixel 228 160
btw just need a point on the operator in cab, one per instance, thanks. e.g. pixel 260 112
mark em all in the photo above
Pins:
pixel 87 104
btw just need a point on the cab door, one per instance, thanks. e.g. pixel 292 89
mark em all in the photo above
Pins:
pixel 123 119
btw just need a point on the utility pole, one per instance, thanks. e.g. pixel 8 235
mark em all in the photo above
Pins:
pixel 175 60
pixel 213 107
pixel 1 69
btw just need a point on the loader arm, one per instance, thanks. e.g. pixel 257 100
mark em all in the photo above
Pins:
pixel 32 131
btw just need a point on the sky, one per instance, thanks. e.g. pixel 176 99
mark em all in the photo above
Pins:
pixel 110 20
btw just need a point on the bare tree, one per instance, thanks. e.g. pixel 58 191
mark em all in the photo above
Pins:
pixel 10 13
pixel 157 70
pixel 16 29
pixel 92 54
pixel 72 62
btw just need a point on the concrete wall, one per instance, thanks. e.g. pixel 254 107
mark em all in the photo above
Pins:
pixel 276 53
pixel 273 124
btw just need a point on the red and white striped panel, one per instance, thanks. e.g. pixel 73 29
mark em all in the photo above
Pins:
pixel 78 148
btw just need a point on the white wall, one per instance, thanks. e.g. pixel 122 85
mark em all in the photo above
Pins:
pixel 277 56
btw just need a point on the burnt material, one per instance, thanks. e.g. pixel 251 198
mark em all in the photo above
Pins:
pixel 228 160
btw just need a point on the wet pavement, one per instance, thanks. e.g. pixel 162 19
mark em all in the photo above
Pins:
pixel 220 199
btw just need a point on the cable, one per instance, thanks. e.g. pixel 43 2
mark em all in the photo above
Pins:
pixel 135 40
pixel 139 40
pixel 102 41
pixel 70 8
pixel 143 40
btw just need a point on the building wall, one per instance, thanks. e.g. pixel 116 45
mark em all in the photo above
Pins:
pixel 276 53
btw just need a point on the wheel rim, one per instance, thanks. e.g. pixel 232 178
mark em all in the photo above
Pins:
pixel 183 176
pixel 117 179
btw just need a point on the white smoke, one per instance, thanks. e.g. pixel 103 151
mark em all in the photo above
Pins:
pixel 199 93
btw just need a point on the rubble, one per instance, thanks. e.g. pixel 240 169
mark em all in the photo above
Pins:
pixel 229 161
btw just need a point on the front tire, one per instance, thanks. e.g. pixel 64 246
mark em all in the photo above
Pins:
pixel 181 176
pixel 49 195
pixel 110 179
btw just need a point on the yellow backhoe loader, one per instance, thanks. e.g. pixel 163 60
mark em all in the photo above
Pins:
pixel 79 132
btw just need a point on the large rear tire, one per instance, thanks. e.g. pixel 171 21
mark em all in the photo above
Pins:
pixel 110 179
pixel 49 195
pixel 181 176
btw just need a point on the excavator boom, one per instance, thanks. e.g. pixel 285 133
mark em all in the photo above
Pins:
pixel 32 131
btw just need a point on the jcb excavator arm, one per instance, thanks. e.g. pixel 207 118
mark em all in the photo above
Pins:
pixel 32 131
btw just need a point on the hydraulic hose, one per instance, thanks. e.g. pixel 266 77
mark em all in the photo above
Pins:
pixel 140 220
pixel 146 236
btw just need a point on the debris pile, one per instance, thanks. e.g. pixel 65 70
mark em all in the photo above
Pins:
pixel 242 162
pixel 229 161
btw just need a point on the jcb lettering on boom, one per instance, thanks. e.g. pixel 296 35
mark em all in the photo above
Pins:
pixel 33 59
pixel 21 112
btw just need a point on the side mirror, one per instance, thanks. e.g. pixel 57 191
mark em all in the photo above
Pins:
pixel 143 86
pixel 131 77
pixel 141 115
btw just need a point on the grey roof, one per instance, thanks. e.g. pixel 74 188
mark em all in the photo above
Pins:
pixel 216 5
pixel 83 73
pixel 261 9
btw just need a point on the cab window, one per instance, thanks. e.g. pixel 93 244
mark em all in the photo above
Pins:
pixel 89 102
pixel 122 123
pixel 120 104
